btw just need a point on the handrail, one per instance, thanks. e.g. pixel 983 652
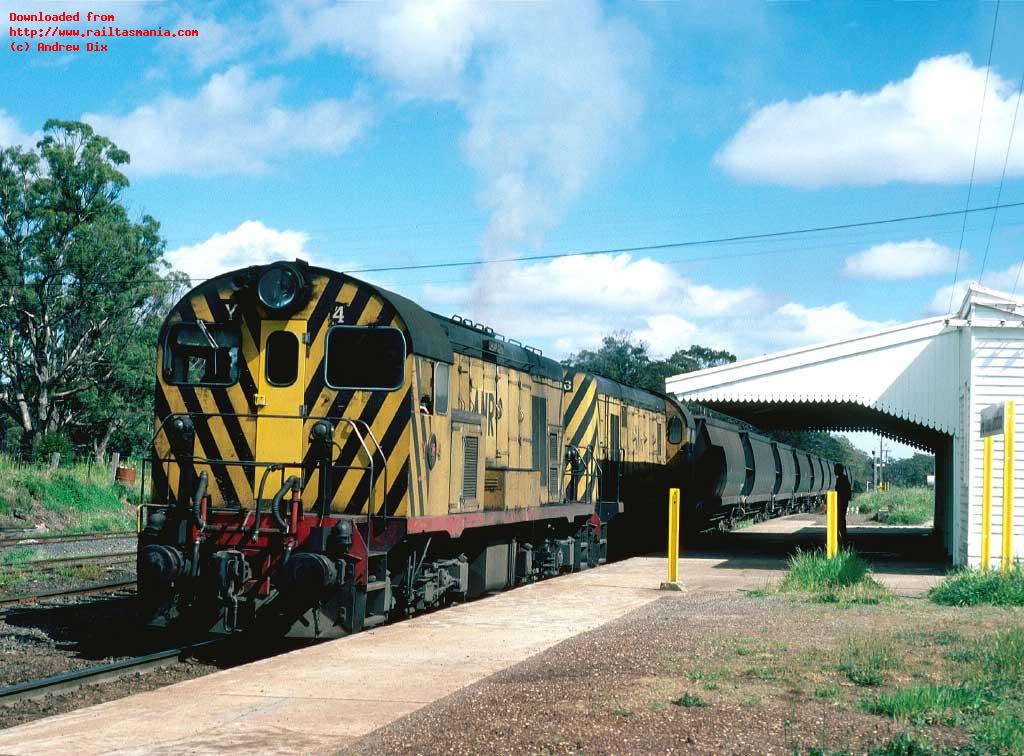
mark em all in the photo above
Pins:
pixel 354 425
pixel 384 459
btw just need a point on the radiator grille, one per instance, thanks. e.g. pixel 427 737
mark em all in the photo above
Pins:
pixel 470 454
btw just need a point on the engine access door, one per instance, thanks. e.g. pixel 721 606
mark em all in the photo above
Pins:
pixel 282 384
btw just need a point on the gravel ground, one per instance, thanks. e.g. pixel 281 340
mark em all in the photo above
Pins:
pixel 757 666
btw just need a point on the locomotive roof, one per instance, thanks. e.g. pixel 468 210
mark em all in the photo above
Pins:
pixel 632 394
pixel 475 340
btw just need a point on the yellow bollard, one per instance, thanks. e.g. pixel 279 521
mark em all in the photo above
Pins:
pixel 986 504
pixel 1008 487
pixel 831 524
pixel 672 584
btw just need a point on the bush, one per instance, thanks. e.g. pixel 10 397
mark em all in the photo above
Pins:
pixel 974 587
pixel 811 572
pixel 48 443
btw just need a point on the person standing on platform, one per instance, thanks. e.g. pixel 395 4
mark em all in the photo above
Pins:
pixel 843 492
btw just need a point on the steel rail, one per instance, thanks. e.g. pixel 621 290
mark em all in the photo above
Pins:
pixel 26 539
pixel 79 677
pixel 83 591
pixel 44 565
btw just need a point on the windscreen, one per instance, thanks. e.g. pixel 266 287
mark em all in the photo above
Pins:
pixel 371 359
pixel 202 354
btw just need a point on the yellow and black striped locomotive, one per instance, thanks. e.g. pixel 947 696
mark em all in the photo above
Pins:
pixel 329 455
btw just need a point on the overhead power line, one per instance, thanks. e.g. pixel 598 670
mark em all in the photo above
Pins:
pixel 711 241
pixel 1002 180
pixel 974 160
pixel 683 244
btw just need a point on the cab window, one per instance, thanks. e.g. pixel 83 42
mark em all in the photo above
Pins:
pixel 365 358
pixel 441 388
pixel 675 430
pixel 202 354
pixel 282 358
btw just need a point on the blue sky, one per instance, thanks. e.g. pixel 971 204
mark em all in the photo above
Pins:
pixel 362 135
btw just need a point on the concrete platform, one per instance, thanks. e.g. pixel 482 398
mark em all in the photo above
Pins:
pixel 320 698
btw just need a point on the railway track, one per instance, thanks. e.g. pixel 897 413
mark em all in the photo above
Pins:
pixel 10 539
pixel 80 677
pixel 45 565
pixel 81 591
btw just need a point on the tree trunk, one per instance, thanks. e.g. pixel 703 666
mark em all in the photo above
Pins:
pixel 99 445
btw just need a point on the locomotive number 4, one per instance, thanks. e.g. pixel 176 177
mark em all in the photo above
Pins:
pixel 338 316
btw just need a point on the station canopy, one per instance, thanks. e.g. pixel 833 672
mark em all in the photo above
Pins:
pixel 902 382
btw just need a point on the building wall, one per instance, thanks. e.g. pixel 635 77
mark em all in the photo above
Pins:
pixel 996 375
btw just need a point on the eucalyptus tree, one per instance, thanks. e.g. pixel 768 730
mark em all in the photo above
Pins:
pixel 80 283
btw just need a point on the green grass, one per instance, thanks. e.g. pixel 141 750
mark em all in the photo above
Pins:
pixel 811 572
pixel 904 744
pixel 865 662
pixel 924 704
pixel 900 506
pixel 985 695
pixel 689 701
pixel 974 587
pixel 65 499
pixel 844 580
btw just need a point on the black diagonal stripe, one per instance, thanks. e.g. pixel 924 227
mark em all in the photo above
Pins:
pixel 186 470
pixel 418 464
pixel 201 423
pixel 398 489
pixel 243 452
pixel 353 311
pixel 578 437
pixel 352 447
pixel 161 482
pixel 220 314
pixel 325 305
pixel 390 441
pixel 387 442
pixel 577 399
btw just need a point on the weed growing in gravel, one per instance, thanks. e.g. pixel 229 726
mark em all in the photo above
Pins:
pixel 923 704
pixel 827 692
pixel 904 744
pixel 625 713
pixel 761 673
pixel 17 556
pixel 865 662
pixel 689 700
pixel 974 587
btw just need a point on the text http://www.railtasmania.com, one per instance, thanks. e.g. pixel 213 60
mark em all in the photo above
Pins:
pixel 64 32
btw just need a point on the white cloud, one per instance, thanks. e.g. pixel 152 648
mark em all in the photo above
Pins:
pixel 921 129
pixel 895 260
pixel 252 243
pixel 422 47
pixel 11 134
pixel 233 124
pixel 583 299
pixel 549 90
pixel 1006 280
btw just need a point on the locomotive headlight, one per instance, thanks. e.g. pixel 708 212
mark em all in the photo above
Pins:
pixel 281 287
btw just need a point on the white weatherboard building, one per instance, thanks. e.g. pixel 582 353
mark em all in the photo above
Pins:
pixel 923 383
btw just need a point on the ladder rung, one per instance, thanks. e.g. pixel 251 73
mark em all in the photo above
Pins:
pixel 376 585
